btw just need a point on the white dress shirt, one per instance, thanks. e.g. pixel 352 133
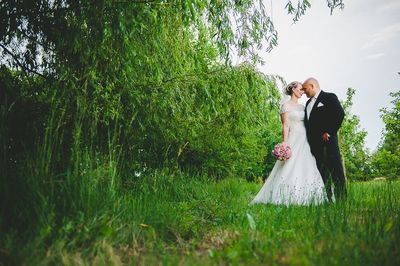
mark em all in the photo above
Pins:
pixel 311 104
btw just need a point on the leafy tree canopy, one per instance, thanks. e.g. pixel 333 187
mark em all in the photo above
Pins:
pixel 39 35
pixel 386 160
pixel 352 143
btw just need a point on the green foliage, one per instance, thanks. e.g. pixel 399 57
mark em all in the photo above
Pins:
pixel 386 163
pixel 149 75
pixel 391 117
pixel 386 160
pixel 53 31
pixel 352 143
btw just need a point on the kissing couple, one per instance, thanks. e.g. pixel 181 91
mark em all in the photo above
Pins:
pixel 315 162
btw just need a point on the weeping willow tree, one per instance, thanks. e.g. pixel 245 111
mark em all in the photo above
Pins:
pixel 96 93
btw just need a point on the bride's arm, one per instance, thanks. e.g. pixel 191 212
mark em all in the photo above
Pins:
pixel 285 126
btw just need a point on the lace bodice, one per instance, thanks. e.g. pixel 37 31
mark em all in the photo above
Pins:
pixel 289 107
pixel 295 113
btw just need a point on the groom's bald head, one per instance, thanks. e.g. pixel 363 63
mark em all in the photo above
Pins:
pixel 310 87
pixel 312 81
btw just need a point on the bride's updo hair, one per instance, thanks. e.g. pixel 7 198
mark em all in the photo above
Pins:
pixel 289 88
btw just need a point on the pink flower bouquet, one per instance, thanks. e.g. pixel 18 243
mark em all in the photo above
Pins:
pixel 282 151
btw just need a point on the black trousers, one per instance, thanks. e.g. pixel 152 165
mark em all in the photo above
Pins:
pixel 329 163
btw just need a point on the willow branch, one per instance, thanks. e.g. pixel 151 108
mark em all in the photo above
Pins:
pixel 22 66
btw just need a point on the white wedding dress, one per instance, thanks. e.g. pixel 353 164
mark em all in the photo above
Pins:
pixel 296 181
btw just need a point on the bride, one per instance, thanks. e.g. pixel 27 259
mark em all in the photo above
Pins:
pixel 297 180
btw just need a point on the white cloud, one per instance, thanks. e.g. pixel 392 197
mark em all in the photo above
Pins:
pixel 383 36
pixel 374 56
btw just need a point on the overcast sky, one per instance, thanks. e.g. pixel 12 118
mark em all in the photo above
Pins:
pixel 356 47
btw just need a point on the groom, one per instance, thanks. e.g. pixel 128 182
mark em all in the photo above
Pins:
pixel 323 118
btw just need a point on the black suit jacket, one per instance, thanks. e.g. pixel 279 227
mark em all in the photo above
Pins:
pixel 326 117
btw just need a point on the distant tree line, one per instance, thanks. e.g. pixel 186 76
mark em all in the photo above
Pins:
pixel 360 163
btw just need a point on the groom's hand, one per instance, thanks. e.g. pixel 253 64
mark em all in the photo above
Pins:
pixel 326 137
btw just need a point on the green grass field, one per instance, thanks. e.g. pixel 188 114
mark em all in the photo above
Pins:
pixel 176 220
